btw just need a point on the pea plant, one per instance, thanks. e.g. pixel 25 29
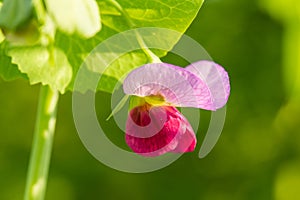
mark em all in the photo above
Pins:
pixel 46 41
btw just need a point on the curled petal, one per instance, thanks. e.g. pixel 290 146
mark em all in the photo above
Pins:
pixel 177 85
pixel 176 135
pixel 216 79
pixel 146 121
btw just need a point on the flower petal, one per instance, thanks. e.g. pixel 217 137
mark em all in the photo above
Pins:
pixel 176 135
pixel 178 86
pixel 187 141
pixel 145 121
pixel 216 78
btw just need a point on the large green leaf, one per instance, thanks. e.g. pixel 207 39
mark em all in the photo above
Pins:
pixel 123 15
pixel 122 53
pixel 173 14
pixel 49 67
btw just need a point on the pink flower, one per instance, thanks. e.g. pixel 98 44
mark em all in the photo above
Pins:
pixel 154 126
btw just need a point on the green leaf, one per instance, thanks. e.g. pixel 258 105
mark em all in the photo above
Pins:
pixel 116 71
pixel 8 70
pixel 49 67
pixel 124 15
pixel 14 13
pixel 75 16
pixel 173 14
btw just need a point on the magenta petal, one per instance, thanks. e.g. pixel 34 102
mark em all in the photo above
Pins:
pixel 187 140
pixel 177 85
pixel 176 135
pixel 217 80
pixel 146 121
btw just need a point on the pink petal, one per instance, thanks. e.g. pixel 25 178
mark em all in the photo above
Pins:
pixel 187 139
pixel 176 135
pixel 178 86
pixel 141 117
pixel 216 78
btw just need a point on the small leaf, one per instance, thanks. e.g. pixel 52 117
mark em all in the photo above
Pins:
pixel 14 13
pixel 75 16
pixel 8 70
pixel 51 69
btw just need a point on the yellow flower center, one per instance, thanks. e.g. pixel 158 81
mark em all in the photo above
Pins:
pixel 156 100
pixel 152 100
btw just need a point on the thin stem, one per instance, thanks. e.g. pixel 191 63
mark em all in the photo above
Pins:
pixel 40 10
pixel 292 58
pixel 151 56
pixel 42 145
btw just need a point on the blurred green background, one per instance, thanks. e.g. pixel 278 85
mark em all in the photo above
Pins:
pixel 257 156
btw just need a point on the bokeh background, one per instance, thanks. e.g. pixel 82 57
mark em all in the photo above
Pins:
pixel 257 155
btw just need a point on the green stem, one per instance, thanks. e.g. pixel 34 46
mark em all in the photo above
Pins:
pixel 151 56
pixel 42 145
pixel 292 58
pixel 40 10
